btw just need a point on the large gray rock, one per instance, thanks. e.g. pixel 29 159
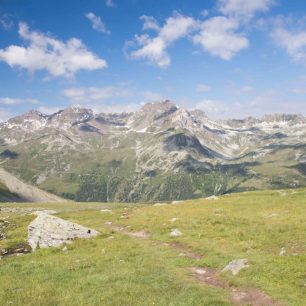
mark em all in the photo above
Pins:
pixel 236 265
pixel 50 231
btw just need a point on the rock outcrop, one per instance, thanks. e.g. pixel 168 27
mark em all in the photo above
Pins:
pixel 50 231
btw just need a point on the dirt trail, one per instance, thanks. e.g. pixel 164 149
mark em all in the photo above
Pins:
pixel 239 296
pixel 207 276
pixel 184 251
pixel 26 192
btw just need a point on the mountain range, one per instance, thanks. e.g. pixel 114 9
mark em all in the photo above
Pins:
pixel 159 153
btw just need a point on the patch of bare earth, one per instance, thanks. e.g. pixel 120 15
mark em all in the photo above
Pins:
pixel 207 276
pixel 239 296
pixel 125 231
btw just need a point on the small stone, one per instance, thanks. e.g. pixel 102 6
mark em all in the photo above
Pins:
pixel 105 210
pixel 173 219
pixel 65 249
pixel 160 204
pixel 108 223
pixel 282 252
pixel 175 233
pixel 200 271
pixel 236 265
pixel 213 197
pixel 177 202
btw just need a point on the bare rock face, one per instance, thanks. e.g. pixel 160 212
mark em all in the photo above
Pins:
pixel 50 231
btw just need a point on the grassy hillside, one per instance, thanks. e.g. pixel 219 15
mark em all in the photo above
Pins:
pixel 120 267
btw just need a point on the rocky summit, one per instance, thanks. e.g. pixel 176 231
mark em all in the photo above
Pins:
pixel 159 153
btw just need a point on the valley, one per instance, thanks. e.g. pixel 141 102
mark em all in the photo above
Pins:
pixel 140 156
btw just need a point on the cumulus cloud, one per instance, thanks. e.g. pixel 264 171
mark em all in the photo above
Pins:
pixel 219 36
pixel 12 101
pixel 244 8
pixel 97 23
pixel 293 42
pixel 110 3
pixel 44 52
pixel 155 48
pixel 149 23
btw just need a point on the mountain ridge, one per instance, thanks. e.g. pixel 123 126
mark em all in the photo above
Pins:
pixel 141 156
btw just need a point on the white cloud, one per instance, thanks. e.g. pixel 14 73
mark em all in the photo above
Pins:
pixel 212 107
pixel 44 52
pixel 244 8
pixel 268 102
pixel 110 3
pixel 5 115
pixel 5 22
pixel 149 23
pixel 89 94
pixel 101 99
pixel 219 37
pixel 97 23
pixel 203 88
pixel 154 49
pixel 12 101
pixel 110 98
pixel 294 42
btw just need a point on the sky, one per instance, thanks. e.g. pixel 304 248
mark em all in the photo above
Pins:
pixel 229 58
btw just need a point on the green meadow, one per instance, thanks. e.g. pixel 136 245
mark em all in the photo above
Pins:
pixel 117 268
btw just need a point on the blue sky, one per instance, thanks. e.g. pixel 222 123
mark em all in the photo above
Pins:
pixel 230 58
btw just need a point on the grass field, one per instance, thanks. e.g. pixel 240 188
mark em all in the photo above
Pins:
pixel 117 268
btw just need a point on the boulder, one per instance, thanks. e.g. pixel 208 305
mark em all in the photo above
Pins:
pixel 50 231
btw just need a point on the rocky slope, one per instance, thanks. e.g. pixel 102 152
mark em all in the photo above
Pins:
pixel 14 190
pixel 161 152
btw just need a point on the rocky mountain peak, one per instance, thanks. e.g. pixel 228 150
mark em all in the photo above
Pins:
pixel 159 107
pixel 34 114
pixel 71 116
pixel 152 114
pixel 293 118
pixel 198 113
